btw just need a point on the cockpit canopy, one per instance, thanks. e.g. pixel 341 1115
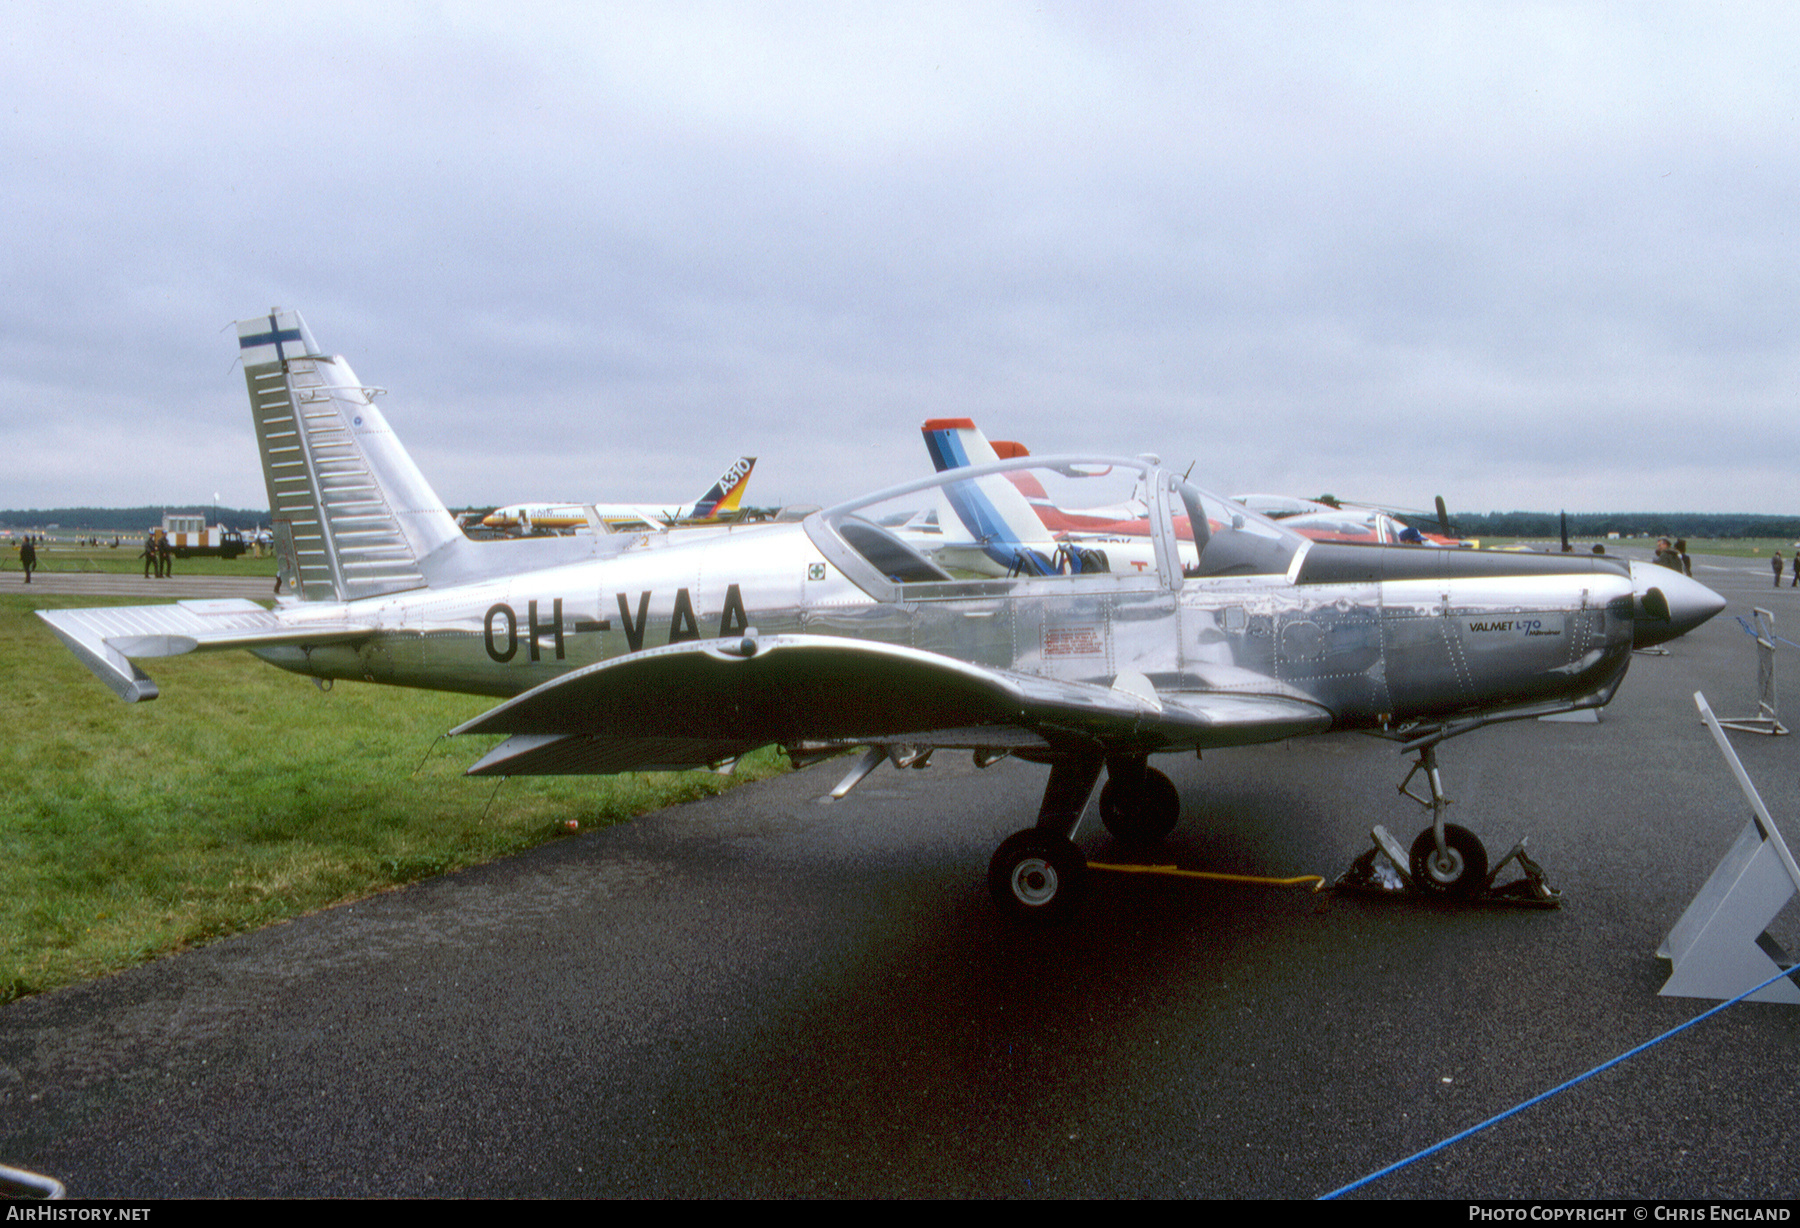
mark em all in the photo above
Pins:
pixel 1079 522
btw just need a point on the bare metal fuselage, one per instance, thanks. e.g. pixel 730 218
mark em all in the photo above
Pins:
pixel 1373 652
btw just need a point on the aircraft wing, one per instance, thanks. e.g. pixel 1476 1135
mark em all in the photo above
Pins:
pixel 105 638
pixel 696 703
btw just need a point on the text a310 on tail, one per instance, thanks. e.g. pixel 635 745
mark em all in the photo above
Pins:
pixel 932 615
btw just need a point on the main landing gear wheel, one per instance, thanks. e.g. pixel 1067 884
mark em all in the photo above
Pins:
pixel 1462 870
pixel 1144 815
pixel 1036 876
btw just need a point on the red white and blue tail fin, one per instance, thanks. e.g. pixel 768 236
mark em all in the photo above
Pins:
pixel 993 509
pixel 957 443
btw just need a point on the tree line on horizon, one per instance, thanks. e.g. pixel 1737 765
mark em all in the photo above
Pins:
pixel 1468 524
pixel 128 519
pixel 137 519
pixel 1626 524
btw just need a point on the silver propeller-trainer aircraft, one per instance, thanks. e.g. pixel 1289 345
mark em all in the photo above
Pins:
pixel 919 618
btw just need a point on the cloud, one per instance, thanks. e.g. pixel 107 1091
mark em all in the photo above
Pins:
pixel 1514 253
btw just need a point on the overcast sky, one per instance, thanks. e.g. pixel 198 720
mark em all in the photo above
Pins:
pixel 1528 256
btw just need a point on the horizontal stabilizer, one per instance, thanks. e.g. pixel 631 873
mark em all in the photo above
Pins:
pixel 106 638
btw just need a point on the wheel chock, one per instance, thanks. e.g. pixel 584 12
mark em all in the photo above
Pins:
pixel 1384 871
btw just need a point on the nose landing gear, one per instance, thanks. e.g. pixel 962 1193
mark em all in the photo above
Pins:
pixel 1457 867
pixel 1445 860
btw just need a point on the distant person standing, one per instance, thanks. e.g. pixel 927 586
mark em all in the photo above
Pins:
pixel 1776 564
pixel 28 557
pixel 1796 564
pixel 165 558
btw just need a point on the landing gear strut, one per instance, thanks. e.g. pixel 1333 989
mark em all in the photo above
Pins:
pixel 1445 860
pixel 1037 874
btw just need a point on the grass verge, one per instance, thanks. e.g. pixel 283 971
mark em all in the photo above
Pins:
pixel 244 795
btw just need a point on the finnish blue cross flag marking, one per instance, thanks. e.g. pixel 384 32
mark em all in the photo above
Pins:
pixel 273 338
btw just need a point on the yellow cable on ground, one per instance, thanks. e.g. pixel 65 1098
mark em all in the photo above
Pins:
pixel 1318 884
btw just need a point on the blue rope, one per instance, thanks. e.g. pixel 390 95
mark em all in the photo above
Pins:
pixel 1539 1099
pixel 1751 632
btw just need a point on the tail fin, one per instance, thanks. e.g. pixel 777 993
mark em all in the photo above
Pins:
pixel 353 516
pixel 994 510
pixel 722 500
pixel 957 443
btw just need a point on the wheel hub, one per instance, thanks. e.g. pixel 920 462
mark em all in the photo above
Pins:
pixel 1034 881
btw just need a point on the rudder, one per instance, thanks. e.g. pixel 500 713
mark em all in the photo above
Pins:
pixel 353 516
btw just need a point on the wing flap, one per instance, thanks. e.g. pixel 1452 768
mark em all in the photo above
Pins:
pixel 706 700
pixel 1242 719
pixel 532 754
pixel 792 688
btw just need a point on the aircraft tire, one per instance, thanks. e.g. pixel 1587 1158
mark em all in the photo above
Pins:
pixel 1146 816
pixel 1467 868
pixel 1037 877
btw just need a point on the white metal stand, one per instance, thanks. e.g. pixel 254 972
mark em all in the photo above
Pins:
pixel 1721 947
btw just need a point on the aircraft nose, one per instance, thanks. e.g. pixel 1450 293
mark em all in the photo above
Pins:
pixel 1669 604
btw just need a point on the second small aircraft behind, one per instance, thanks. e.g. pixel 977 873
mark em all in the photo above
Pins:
pixel 1021 509
pixel 907 620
